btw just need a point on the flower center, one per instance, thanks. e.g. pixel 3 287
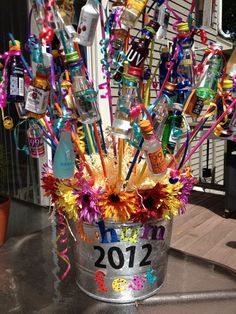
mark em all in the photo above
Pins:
pixel 114 198
pixel 86 198
pixel 149 202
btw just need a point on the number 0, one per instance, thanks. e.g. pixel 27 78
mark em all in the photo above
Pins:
pixel 121 260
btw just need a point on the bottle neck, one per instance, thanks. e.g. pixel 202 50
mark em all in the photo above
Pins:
pixel 130 90
pixel 149 136
pixel 93 3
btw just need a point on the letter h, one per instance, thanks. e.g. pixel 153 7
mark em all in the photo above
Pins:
pixel 103 231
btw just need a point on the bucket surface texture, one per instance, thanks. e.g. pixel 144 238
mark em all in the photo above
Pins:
pixel 122 263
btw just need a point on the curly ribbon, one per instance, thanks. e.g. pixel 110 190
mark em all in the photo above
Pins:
pixel 63 239
pixel 34 48
pixel 209 113
pixel 223 98
pixel 207 134
pixel 46 135
pixel 74 138
pixel 25 148
pixel 31 122
pixel 81 135
pixel 84 236
pixel 104 43
pixel 170 67
pixel 47 32
pixel 177 17
pixel 202 34
pixel 200 67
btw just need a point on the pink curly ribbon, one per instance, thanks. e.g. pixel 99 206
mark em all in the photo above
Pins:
pixel 62 239
pixel 136 110
pixel 177 17
pixel 207 134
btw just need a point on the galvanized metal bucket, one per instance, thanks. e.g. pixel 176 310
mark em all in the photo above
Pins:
pixel 122 263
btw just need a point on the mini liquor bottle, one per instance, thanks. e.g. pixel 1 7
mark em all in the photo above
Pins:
pixel 153 150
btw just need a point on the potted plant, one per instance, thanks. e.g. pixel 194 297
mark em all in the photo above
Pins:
pixel 4 200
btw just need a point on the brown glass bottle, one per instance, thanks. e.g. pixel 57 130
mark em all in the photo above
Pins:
pixel 138 51
pixel 38 95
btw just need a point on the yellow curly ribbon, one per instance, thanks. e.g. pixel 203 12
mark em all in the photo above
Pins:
pixel 81 136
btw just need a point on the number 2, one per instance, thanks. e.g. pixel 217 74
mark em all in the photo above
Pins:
pixel 144 261
pixel 100 258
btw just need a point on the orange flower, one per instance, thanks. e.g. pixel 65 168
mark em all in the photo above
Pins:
pixel 117 205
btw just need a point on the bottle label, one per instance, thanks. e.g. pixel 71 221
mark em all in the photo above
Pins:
pixel 172 141
pixel 135 58
pixel 137 5
pixel 16 86
pixel 157 161
pixel 37 100
pixel 186 62
pixel 197 108
pixel 87 28
pixel 36 146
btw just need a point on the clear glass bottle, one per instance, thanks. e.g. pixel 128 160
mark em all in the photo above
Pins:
pixel 185 69
pixel 38 95
pixel 84 94
pixel 162 15
pixel 121 126
pixel 152 150
pixel 87 25
pixel 162 109
pixel 64 158
pixel 36 144
pixel 15 74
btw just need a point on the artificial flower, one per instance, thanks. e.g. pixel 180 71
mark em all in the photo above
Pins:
pixel 150 204
pixel 117 205
pixel 49 182
pixel 87 202
pixel 67 200
pixel 187 182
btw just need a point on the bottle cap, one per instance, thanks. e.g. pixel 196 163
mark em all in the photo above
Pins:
pixel 66 84
pixel 16 46
pixel 145 126
pixel 170 86
pixel 130 80
pixel 72 56
pixel 41 71
pixel 55 53
pixel 153 26
pixel 182 27
pixel 227 84
pixel 135 71
pixel 164 50
pixel 177 106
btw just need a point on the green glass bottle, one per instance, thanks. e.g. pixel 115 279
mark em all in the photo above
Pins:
pixel 172 130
